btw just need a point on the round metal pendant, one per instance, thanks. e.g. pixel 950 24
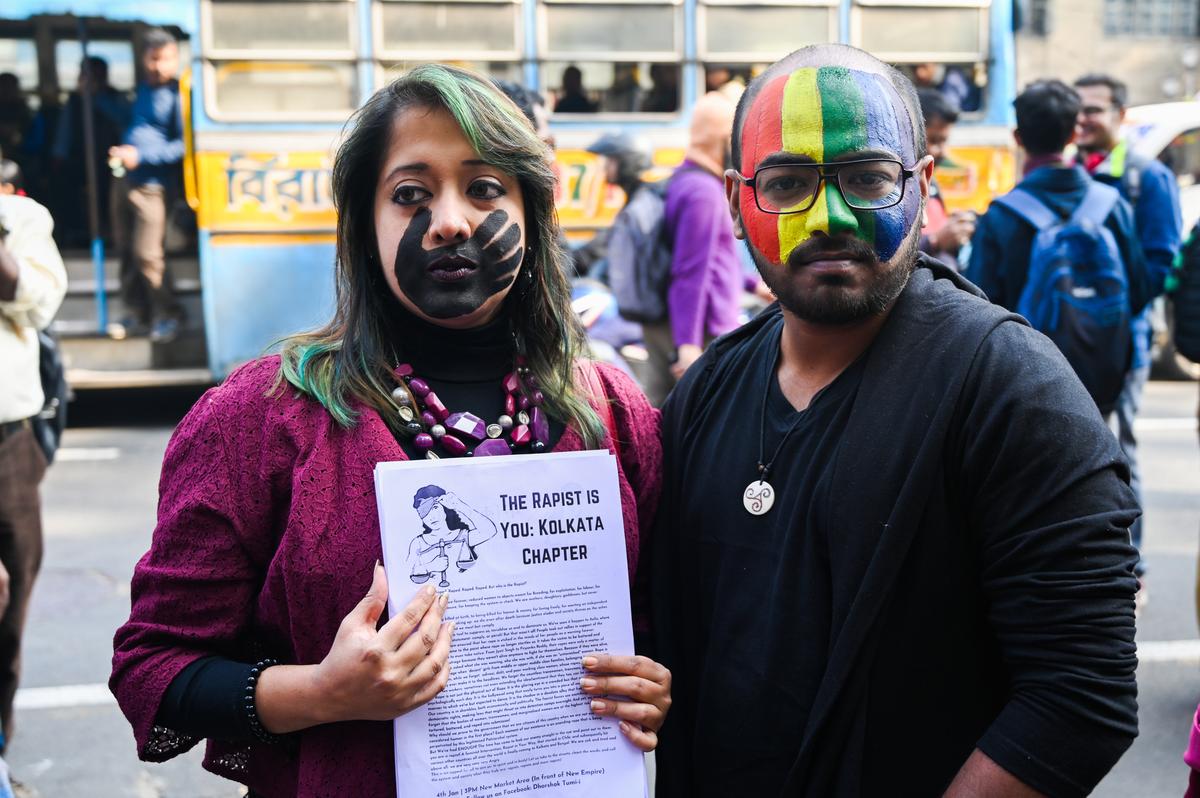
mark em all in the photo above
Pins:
pixel 494 430
pixel 406 413
pixel 759 497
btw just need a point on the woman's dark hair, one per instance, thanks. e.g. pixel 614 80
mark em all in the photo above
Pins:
pixel 453 521
pixel 351 358
pixel 1046 114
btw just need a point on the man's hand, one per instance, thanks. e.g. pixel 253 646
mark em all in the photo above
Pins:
pixel 128 155
pixel 686 356
pixel 955 233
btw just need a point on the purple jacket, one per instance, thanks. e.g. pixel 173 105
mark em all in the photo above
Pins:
pixel 267 536
pixel 706 274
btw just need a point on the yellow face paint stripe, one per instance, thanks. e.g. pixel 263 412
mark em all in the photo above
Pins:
pixel 803 134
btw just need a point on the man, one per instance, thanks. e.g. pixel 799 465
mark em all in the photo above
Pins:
pixel 152 155
pixel 1002 250
pixel 944 234
pixel 1150 187
pixel 573 99
pixel 110 119
pixel 891 556
pixel 623 159
pixel 32 284
pixel 707 281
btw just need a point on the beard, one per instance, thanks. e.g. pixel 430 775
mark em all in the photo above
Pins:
pixel 838 301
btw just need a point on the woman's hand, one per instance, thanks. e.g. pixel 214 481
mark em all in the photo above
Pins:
pixel 368 674
pixel 372 674
pixel 646 685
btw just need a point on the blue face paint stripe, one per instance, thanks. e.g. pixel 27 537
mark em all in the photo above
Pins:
pixel 889 129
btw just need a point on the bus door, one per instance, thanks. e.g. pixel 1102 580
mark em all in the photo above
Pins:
pixel 44 128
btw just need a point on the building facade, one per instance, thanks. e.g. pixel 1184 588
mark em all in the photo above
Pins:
pixel 1150 44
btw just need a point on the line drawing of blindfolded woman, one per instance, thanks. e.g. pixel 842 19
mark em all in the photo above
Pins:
pixel 452 530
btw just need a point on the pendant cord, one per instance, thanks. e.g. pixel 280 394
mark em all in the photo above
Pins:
pixel 764 469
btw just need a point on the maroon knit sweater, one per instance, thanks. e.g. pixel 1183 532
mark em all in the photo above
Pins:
pixel 267 535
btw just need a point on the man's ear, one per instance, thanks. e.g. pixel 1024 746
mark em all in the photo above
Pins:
pixel 924 174
pixel 733 191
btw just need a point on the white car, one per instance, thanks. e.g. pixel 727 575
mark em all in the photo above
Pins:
pixel 1170 132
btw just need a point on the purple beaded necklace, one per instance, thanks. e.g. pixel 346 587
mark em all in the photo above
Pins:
pixel 522 425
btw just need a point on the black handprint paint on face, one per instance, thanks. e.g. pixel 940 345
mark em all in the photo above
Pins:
pixel 455 280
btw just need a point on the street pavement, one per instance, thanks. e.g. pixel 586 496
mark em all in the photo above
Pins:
pixel 99 504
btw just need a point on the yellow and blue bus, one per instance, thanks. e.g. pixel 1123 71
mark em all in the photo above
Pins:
pixel 269 84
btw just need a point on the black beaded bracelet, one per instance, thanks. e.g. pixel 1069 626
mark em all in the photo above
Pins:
pixel 256 727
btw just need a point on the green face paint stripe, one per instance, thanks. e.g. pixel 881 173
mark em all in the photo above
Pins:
pixel 844 123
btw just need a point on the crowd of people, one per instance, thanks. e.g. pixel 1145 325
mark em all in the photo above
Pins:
pixel 935 410
pixel 883 439
pixel 136 172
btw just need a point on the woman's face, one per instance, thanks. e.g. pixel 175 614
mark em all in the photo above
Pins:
pixel 436 517
pixel 450 228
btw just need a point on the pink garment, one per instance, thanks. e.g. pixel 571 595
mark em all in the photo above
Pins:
pixel 1192 757
pixel 267 535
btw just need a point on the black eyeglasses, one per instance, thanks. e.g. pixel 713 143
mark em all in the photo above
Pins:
pixel 870 184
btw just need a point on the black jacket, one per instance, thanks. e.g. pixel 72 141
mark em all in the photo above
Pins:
pixel 986 507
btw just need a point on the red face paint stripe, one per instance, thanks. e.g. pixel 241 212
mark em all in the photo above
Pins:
pixel 762 134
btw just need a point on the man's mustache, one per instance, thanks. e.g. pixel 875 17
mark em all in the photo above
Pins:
pixel 832 248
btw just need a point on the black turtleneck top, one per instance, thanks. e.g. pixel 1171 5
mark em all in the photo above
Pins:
pixel 465 369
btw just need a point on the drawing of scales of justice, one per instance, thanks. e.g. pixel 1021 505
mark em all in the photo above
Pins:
pixel 450 527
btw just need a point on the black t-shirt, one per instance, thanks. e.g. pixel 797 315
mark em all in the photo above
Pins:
pixel 763 661
pixel 959 576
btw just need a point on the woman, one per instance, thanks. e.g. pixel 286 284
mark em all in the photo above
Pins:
pixel 449 527
pixel 451 297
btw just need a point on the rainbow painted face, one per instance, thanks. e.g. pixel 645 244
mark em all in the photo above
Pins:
pixel 825 115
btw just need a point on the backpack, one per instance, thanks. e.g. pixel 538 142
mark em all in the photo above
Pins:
pixel 640 253
pixel 1077 289
pixel 1183 285
pixel 49 423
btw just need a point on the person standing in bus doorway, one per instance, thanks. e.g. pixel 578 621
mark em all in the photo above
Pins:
pixel 33 282
pixel 707 281
pixel 944 234
pixel 110 119
pixel 869 486
pixel 152 155
pixel 1150 187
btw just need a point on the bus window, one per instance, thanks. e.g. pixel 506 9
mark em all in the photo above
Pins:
pixel 68 55
pixel 259 69
pixel 255 29
pixel 583 87
pixel 273 89
pixel 610 57
pixel 761 34
pixel 478 31
pixel 909 32
pixel 19 57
